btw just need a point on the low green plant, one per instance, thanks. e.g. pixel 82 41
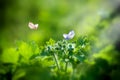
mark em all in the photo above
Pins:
pixel 56 59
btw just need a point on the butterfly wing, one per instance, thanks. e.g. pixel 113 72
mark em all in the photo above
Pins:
pixel 36 26
pixel 71 34
pixel 32 26
pixel 65 36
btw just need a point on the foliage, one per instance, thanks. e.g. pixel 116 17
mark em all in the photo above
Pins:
pixel 57 60
pixel 37 57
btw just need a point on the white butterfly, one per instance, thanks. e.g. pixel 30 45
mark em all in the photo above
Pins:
pixel 70 35
pixel 32 26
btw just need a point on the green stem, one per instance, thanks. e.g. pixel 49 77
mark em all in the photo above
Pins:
pixel 66 65
pixel 56 61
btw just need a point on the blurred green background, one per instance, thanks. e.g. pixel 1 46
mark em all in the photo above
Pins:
pixel 54 17
pixel 98 19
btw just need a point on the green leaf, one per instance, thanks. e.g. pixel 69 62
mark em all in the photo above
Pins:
pixel 27 49
pixel 50 42
pixel 10 55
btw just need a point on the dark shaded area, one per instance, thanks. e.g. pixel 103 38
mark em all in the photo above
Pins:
pixel 117 45
pixel 8 74
pixel 4 4
pixel 2 12
pixel 98 71
pixel 115 13
pixel 101 70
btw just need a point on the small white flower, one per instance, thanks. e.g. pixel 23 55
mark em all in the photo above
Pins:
pixel 32 26
pixel 70 35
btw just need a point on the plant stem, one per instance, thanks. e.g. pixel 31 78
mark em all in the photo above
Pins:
pixel 66 65
pixel 56 61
